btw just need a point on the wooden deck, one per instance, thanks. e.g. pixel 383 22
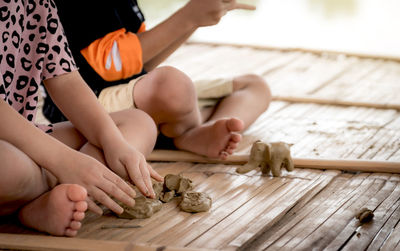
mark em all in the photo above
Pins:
pixel 304 209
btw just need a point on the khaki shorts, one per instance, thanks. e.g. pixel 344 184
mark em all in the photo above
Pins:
pixel 209 92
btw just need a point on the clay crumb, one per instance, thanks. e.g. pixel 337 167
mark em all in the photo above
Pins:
pixel 365 215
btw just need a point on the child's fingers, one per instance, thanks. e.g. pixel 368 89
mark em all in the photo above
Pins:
pixel 93 207
pixel 99 195
pixel 154 174
pixel 137 178
pixel 111 188
pixel 121 184
pixel 146 178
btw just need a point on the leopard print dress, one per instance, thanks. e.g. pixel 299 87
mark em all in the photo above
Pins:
pixel 32 48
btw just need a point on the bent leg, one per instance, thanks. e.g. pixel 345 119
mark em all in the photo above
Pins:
pixel 169 97
pixel 135 125
pixel 250 98
pixel 219 136
pixel 54 212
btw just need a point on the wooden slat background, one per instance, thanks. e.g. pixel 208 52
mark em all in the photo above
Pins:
pixel 304 209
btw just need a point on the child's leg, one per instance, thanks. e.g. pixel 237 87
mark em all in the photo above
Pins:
pixel 169 97
pixel 250 98
pixel 236 112
pixel 26 187
pixel 135 125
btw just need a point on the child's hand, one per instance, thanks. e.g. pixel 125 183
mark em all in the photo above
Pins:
pixel 128 162
pixel 99 181
pixel 209 12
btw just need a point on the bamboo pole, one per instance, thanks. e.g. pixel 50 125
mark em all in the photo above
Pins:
pixel 306 99
pixel 328 164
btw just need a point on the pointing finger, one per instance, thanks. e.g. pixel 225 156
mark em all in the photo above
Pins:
pixel 242 6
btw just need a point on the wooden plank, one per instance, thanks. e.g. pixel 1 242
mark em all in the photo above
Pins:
pixel 328 204
pixel 245 240
pixel 35 242
pixel 240 197
pixel 352 239
pixel 378 191
pixel 382 213
pixel 262 205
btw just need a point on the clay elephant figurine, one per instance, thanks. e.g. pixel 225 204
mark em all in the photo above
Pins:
pixel 270 157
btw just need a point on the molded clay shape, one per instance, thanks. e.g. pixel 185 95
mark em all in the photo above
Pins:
pixel 144 208
pixel 269 157
pixel 177 183
pixel 167 196
pixel 158 188
pixel 194 202
pixel 257 157
pixel 279 157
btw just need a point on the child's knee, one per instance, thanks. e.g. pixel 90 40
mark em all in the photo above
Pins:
pixel 175 91
pixel 137 121
pixel 254 84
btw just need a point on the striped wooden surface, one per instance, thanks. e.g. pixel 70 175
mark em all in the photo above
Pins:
pixel 303 209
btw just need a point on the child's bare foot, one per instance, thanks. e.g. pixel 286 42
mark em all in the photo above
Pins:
pixel 57 212
pixel 215 139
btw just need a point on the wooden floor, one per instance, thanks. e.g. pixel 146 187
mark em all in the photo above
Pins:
pixel 304 209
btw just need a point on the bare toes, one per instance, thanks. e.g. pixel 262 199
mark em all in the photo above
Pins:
pixel 236 137
pixel 78 216
pixel 76 193
pixel 81 206
pixel 70 233
pixel 75 225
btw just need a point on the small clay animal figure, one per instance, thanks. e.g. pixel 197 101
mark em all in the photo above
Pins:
pixel 269 157
pixel 279 157
pixel 194 202
pixel 257 157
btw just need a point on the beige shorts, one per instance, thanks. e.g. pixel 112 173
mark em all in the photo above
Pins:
pixel 209 92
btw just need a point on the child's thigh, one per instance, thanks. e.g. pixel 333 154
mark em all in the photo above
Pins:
pixel 22 179
pixel 67 134
pixel 137 127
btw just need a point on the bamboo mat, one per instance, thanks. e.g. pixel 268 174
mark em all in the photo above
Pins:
pixel 304 209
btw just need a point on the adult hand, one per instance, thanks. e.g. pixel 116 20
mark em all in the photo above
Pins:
pixel 210 12
pixel 128 162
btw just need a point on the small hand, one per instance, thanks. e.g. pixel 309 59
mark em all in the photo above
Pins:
pixel 210 12
pixel 99 181
pixel 128 162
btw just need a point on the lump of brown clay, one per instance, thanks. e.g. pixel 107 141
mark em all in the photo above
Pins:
pixel 194 202
pixel 269 157
pixel 158 188
pixel 167 196
pixel 365 215
pixel 185 184
pixel 144 208
pixel 177 183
